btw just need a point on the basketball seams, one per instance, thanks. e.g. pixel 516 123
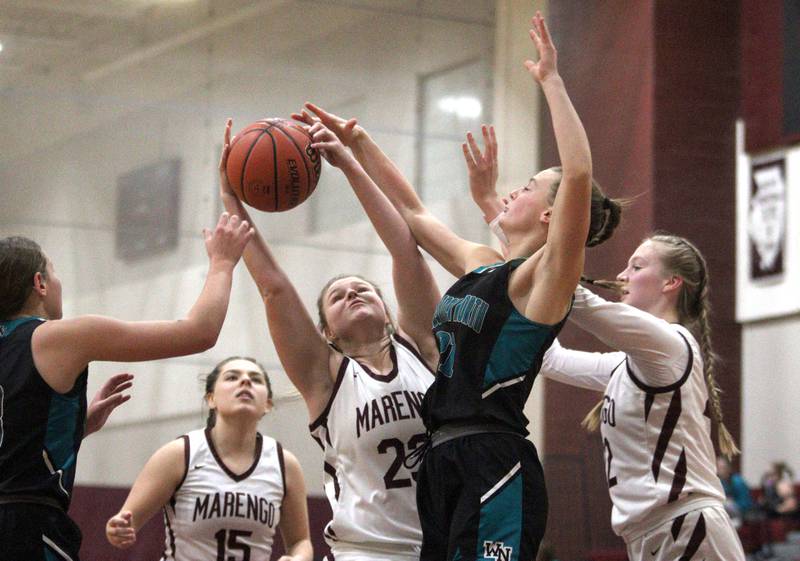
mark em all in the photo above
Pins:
pixel 236 140
pixel 286 148
pixel 302 158
pixel 274 166
pixel 247 157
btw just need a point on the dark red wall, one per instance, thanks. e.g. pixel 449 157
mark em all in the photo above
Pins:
pixel 656 84
pixel 762 74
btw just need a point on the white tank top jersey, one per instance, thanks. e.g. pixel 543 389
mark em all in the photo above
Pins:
pixel 216 514
pixel 655 422
pixel 369 425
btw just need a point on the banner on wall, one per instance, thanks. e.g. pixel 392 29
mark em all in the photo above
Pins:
pixel 768 231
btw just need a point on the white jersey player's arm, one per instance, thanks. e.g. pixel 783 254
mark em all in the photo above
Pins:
pixel 657 352
pixel 294 514
pixel 591 371
pixel 155 485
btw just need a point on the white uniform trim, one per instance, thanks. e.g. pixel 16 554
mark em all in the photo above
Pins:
pixel 505 384
pixel 54 471
pixel 502 482
pixel 55 548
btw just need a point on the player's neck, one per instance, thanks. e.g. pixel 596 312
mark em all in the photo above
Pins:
pixel 665 311
pixel 374 354
pixel 233 437
pixel 525 245
pixel 31 309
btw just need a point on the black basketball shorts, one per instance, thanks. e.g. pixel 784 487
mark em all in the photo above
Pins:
pixel 482 497
pixel 33 532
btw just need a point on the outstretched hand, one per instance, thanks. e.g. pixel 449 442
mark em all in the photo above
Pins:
pixel 225 188
pixel 482 167
pixel 346 130
pixel 228 240
pixel 546 66
pixel 329 145
pixel 108 397
pixel 119 530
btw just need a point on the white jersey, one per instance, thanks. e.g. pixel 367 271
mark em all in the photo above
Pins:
pixel 216 514
pixel 367 428
pixel 655 422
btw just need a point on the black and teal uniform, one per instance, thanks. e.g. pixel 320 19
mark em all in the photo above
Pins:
pixel 40 434
pixel 482 495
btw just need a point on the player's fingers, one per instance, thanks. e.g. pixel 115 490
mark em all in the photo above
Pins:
pixel 318 111
pixel 474 148
pixel 244 227
pixel 544 32
pixel 468 156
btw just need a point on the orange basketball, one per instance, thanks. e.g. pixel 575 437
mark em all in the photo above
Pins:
pixel 272 166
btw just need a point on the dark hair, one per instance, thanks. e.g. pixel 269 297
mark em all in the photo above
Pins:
pixel 20 259
pixel 323 321
pixel 211 380
pixel 605 214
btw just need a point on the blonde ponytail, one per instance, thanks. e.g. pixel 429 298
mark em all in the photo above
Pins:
pixel 591 422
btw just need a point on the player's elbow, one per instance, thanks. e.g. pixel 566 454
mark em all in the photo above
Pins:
pixel 578 176
pixel 202 338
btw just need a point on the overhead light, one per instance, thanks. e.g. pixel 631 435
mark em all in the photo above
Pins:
pixel 1 47
pixel 465 107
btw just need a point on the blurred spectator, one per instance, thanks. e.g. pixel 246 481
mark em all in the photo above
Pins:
pixel 738 502
pixel 779 499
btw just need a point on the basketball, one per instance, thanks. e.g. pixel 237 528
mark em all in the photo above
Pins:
pixel 272 166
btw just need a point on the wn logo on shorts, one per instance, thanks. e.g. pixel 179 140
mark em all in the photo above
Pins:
pixel 497 551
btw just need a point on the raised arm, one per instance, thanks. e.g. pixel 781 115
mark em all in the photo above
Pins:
pixel 591 371
pixel 294 514
pixel 658 354
pixel 415 287
pixel 455 254
pixel 303 351
pixel 63 348
pixel 154 486
pixel 558 271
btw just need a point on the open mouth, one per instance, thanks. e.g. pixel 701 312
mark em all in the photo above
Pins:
pixel 245 393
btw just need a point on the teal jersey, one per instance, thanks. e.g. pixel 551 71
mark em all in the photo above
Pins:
pixel 40 429
pixel 489 353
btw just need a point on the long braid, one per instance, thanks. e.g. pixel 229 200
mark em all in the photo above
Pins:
pixel 682 258
pixel 694 309
pixel 727 444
